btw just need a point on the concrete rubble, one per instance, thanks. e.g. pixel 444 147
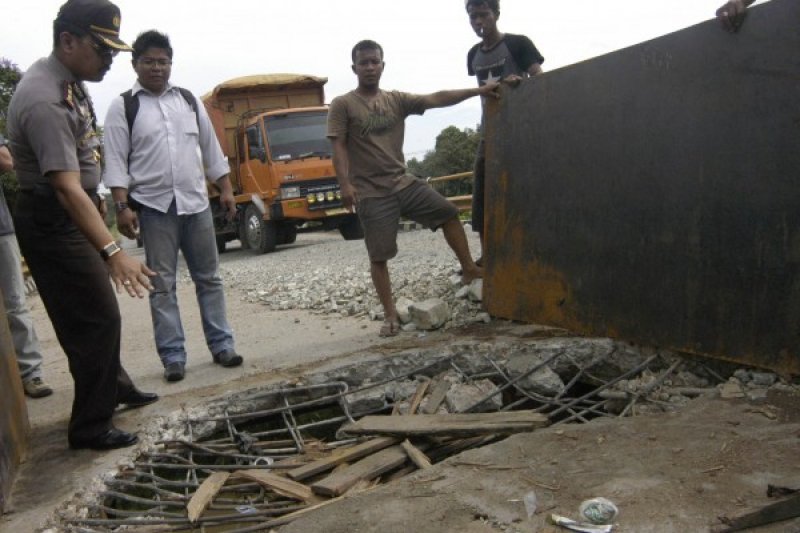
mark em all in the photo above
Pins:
pixel 546 369
pixel 343 286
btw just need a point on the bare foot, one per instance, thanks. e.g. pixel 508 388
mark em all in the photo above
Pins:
pixel 471 274
pixel 390 327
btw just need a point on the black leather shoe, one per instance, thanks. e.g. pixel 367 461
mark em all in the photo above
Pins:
pixel 174 371
pixel 228 358
pixel 137 398
pixel 111 439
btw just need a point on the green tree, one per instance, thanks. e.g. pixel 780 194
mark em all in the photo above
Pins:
pixel 454 153
pixel 9 78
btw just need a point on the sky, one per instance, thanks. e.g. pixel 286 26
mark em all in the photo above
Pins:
pixel 425 41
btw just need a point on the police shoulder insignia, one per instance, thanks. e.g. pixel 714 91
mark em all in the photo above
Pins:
pixel 68 94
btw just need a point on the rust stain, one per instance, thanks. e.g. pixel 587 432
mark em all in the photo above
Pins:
pixel 518 285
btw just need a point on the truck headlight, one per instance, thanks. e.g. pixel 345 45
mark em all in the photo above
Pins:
pixel 312 198
pixel 330 196
pixel 320 196
pixel 290 192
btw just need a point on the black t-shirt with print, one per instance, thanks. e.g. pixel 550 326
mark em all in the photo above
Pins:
pixel 513 54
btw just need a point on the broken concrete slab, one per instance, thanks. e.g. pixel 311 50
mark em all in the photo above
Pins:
pixel 429 314
pixel 402 305
pixel 462 396
pixel 475 292
pixel 543 381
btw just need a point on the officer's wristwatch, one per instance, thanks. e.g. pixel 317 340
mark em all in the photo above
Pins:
pixel 109 250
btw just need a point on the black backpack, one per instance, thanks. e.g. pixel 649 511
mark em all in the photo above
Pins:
pixel 131 102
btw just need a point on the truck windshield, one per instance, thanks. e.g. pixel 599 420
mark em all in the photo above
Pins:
pixel 297 135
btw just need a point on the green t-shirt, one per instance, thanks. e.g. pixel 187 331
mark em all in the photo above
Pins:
pixel 374 130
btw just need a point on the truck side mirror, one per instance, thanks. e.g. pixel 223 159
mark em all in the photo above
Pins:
pixel 261 154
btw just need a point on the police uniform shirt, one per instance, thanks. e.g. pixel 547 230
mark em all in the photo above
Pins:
pixel 51 127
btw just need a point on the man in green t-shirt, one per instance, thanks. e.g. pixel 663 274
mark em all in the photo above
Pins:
pixel 366 127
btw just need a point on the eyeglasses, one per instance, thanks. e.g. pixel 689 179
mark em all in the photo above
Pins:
pixel 150 61
pixel 102 49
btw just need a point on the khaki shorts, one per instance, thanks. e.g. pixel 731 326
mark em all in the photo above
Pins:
pixel 380 217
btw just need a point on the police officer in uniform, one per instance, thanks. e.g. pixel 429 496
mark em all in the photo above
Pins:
pixel 60 227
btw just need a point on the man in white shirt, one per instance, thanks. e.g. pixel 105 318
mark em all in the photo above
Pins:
pixel 158 181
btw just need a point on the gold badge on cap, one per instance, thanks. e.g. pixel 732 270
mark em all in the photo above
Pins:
pixel 115 22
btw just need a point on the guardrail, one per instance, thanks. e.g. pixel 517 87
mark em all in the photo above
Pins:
pixel 464 201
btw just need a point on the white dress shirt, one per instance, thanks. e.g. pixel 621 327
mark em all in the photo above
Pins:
pixel 165 156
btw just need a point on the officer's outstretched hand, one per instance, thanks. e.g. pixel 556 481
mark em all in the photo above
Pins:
pixel 130 274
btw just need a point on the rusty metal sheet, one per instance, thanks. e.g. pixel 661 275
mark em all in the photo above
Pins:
pixel 14 425
pixel 653 194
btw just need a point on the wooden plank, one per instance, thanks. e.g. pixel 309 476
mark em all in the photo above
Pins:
pixel 456 424
pixel 342 455
pixel 280 485
pixel 204 494
pixel 436 398
pixel 459 445
pixel 400 473
pixel 362 485
pixel 365 469
pixel 775 512
pixel 417 398
pixel 415 454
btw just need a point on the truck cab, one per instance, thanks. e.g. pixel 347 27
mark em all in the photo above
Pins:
pixel 281 163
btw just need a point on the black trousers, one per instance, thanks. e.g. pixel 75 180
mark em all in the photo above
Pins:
pixel 74 285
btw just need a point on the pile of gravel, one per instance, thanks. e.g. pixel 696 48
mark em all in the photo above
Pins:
pixel 325 274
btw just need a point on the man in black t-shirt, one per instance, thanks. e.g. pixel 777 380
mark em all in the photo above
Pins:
pixel 499 56
pixel 732 14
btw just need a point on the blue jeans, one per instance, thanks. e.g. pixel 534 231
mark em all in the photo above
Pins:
pixel 163 235
pixel 26 344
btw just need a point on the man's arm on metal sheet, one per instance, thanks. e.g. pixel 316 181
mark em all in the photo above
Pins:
pixel 452 97
pixel 732 14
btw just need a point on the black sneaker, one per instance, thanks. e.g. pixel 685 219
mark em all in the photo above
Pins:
pixel 228 358
pixel 174 371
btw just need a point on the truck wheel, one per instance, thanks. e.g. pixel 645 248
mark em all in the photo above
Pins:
pixel 287 233
pixel 243 233
pixel 221 243
pixel 261 235
pixel 351 229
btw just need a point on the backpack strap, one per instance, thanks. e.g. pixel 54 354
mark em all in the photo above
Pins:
pixel 131 102
pixel 192 101
pixel 131 108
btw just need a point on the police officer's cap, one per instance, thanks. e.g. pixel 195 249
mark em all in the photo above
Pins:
pixel 100 18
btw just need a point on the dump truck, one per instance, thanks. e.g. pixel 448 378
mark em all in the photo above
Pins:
pixel 272 128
